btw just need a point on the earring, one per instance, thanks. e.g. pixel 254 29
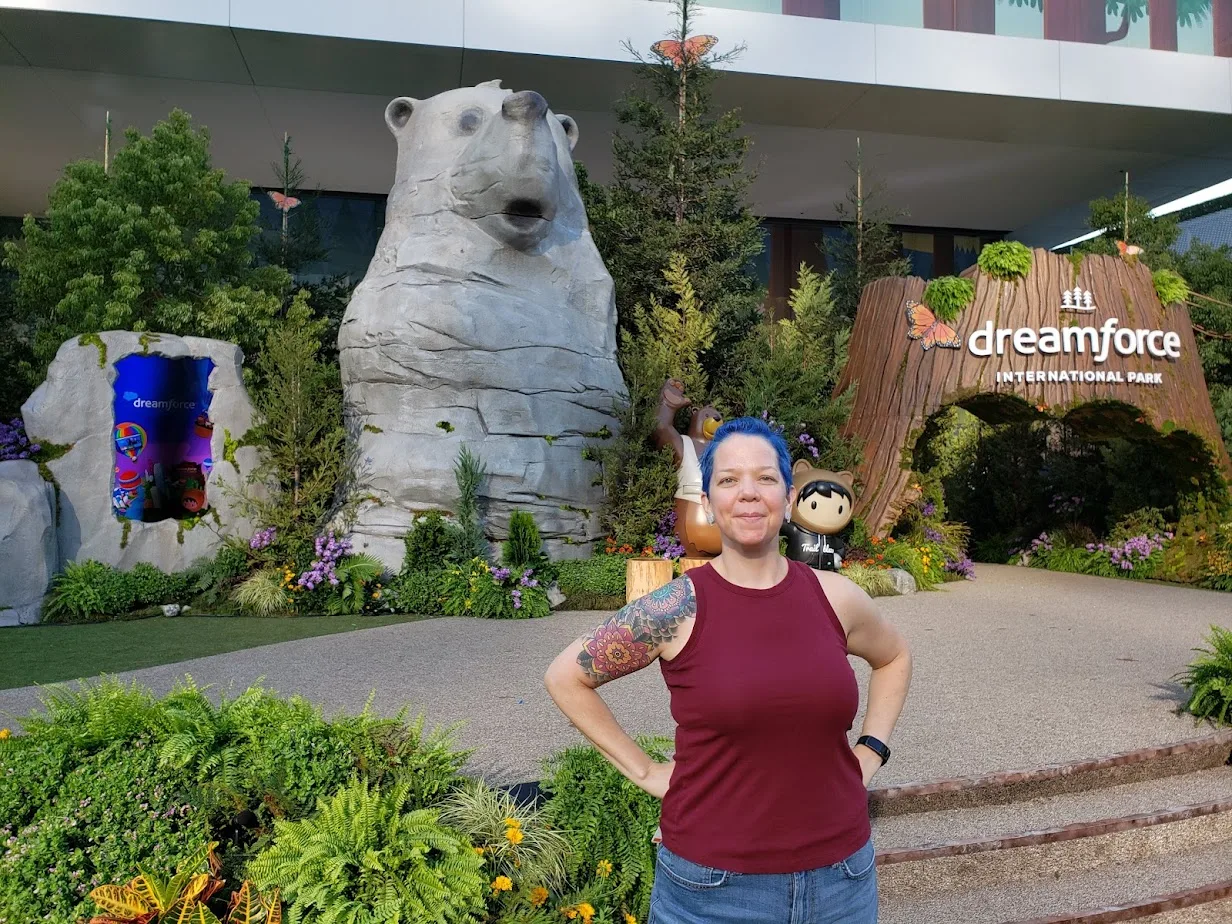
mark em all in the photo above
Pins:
pixel 710 517
pixel 787 514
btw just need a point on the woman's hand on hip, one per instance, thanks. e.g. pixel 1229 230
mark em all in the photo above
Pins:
pixel 870 762
pixel 658 779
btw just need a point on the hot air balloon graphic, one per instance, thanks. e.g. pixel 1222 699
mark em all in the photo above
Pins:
pixel 129 439
pixel 203 426
pixel 127 487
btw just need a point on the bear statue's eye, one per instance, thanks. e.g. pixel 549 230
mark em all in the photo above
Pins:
pixel 840 508
pixel 814 505
pixel 468 121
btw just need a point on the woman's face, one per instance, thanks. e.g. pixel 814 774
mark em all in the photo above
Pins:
pixel 747 494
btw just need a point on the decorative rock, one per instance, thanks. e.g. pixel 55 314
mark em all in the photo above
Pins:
pixel 74 406
pixel 904 583
pixel 555 596
pixel 28 553
pixel 486 319
pixel 172 609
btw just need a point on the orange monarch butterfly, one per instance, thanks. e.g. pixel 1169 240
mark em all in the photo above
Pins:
pixel 1130 252
pixel 692 49
pixel 286 203
pixel 926 327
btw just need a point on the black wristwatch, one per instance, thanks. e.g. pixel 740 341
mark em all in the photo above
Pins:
pixel 877 747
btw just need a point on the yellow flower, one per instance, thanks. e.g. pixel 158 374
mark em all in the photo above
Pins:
pixel 502 884
pixel 570 913
pixel 512 823
pixel 586 911
pixel 514 835
pixel 479 850
pixel 538 895
pixel 4 733
pixel 604 869
pixel 630 919
pixel 376 595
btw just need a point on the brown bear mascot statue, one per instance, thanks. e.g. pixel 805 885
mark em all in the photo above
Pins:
pixel 822 509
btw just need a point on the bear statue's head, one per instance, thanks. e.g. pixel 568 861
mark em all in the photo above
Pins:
pixel 504 158
pixel 823 498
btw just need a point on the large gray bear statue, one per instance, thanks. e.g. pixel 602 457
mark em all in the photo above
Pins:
pixel 486 320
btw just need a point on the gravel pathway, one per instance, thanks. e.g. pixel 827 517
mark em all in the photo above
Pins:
pixel 1016 669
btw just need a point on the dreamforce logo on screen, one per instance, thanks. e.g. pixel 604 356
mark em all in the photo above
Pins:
pixel 1126 341
pixel 139 401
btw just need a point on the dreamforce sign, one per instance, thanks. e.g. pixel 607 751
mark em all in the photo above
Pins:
pixel 1125 341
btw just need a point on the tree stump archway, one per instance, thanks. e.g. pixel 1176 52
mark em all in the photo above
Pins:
pixel 1155 390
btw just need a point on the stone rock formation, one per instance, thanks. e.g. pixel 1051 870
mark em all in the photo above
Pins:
pixel 486 320
pixel 75 407
pixel 28 553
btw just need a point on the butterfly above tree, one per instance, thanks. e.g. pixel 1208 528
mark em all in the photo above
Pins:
pixel 926 327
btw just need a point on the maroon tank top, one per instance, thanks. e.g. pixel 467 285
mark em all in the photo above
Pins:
pixel 763 698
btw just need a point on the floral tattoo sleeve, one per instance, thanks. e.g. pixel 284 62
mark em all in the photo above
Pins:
pixel 629 640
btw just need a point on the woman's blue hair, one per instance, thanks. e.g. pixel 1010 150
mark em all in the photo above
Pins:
pixel 746 426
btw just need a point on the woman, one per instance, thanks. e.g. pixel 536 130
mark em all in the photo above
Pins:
pixel 765 814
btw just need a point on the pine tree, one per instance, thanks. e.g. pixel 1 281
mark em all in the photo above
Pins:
pixel 157 241
pixel 680 185
pixel 869 248
pixel 295 240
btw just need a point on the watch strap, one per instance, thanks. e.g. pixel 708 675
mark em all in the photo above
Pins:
pixel 876 746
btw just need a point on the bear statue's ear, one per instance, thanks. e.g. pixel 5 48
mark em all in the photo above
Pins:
pixel 800 466
pixel 845 478
pixel 571 129
pixel 398 112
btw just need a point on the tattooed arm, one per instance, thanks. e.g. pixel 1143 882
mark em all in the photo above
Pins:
pixel 630 640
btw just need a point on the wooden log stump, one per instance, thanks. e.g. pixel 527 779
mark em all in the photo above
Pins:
pixel 643 575
pixel 687 563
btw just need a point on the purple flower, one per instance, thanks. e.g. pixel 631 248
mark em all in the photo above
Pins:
pixel 14 444
pixel 929 509
pixel 500 575
pixel 963 567
pixel 932 535
pixel 517 599
pixel 263 538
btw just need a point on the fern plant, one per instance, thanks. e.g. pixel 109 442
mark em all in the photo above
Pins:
pixel 516 842
pixel 608 819
pixel 363 858
pixel 94 714
pixel 1008 261
pixel 947 296
pixel 1208 680
pixel 1170 287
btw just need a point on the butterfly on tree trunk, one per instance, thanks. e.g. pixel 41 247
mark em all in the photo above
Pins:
pixel 926 327
pixel 685 53
pixel 1129 252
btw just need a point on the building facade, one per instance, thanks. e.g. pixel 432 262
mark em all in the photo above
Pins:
pixel 982 118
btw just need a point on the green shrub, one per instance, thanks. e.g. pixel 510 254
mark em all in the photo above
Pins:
pixel 599 575
pixel 32 770
pixel 428 543
pixel 94 714
pixel 152 587
pixel 210 581
pixel 607 818
pixel 417 592
pixel 524 548
pixel 908 557
pixel 1006 260
pixel 263 594
pixel 947 296
pixel 1143 521
pixel 365 857
pixel 1170 287
pixel 115 811
pixel 876 582
pixel 1208 680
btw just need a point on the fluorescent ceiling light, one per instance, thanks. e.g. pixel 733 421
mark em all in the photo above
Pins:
pixel 1195 198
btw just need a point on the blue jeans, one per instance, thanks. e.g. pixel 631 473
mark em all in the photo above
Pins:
pixel 686 893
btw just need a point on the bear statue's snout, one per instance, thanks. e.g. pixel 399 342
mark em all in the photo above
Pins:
pixel 526 106
pixel 510 181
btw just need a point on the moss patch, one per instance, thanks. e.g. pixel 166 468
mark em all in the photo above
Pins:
pixel 126 527
pixel 95 339
pixel 369 428
pixel 146 339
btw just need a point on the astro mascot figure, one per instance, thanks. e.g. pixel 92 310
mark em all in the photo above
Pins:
pixel 699 538
pixel 823 508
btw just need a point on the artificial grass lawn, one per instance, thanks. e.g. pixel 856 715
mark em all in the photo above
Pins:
pixel 46 654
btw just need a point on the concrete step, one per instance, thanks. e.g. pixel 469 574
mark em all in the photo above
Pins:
pixel 947 826
pixel 1007 787
pixel 1095 895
